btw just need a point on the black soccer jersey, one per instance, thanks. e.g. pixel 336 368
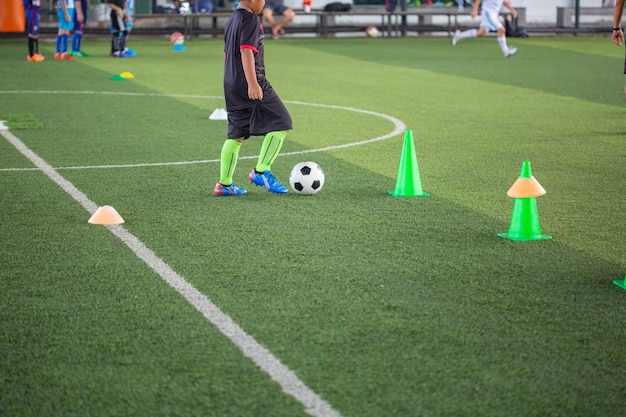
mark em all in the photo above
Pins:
pixel 243 31
pixel 118 3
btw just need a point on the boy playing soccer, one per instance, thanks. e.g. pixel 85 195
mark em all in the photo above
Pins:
pixel 489 22
pixel 254 108
pixel 31 8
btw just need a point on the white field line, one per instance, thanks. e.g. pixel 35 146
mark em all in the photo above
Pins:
pixel 399 127
pixel 314 404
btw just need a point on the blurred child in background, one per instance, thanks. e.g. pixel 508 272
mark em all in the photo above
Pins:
pixel 489 22
pixel 79 29
pixel 65 13
pixel 618 33
pixel 31 8
pixel 119 31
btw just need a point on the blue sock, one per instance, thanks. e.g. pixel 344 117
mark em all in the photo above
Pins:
pixel 76 41
pixel 59 41
pixel 64 42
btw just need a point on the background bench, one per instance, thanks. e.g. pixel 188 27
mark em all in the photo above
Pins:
pixel 321 23
pixel 422 20
pixel 565 16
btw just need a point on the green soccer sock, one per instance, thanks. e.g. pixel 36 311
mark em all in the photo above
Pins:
pixel 269 151
pixel 230 153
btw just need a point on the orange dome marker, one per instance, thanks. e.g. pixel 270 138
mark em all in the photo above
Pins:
pixel 106 215
pixel 525 188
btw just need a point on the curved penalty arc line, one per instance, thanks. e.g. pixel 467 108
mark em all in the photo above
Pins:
pixel 399 128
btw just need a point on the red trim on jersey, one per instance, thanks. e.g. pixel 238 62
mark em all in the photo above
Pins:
pixel 249 47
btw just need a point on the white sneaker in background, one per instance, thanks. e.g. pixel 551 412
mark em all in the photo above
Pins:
pixel 510 52
pixel 456 36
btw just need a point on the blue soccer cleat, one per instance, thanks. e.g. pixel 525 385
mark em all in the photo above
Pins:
pixel 227 191
pixel 267 181
pixel 124 54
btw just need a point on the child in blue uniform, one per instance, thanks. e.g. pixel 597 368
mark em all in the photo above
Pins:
pixel 65 13
pixel 129 26
pixel 79 29
pixel 254 108
pixel 31 9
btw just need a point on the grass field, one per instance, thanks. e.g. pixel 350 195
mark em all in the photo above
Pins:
pixel 347 303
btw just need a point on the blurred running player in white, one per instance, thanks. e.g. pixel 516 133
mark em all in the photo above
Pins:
pixel 489 22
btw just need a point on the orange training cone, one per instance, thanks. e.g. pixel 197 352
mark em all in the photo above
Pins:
pixel 408 183
pixel 525 219
pixel 106 215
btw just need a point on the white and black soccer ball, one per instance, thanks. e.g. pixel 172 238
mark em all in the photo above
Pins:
pixel 306 178
pixel 372 31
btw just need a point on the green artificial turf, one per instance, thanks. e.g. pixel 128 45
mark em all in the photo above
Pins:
pixel 383 306
pixel 20 121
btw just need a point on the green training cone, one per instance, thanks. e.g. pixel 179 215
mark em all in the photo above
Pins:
pixel 621 283
pixel 117 77
pixel 408 183
pixel 525 221
pixel 526 172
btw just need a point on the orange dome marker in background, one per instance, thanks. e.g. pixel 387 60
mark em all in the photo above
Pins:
pixel 106 215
